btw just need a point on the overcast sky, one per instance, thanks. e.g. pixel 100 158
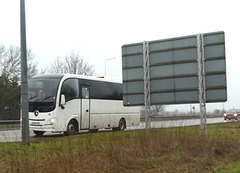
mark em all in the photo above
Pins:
pixel 97 29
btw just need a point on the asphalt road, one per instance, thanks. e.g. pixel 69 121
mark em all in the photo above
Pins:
pixel 14 135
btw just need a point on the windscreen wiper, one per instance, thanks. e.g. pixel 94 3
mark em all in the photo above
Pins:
pixel 32 97
pixel 46 98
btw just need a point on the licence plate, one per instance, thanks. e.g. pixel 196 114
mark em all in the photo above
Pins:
pixel 35 123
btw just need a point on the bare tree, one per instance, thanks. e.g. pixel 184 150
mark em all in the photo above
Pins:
pixel 158 108
pixel 10 62
pixel 2 50
pixel 10 73
pixel 72 64
pixel 57 66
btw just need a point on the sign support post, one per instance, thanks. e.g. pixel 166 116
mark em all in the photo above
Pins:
pixel 147 92
pixel 202 85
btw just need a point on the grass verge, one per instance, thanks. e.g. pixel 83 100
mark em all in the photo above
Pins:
pixel 165 150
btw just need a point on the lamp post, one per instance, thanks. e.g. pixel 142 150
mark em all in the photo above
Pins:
pixel 24 81
pixel 105 65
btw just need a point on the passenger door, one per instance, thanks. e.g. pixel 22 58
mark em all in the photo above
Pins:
pixel 85 107
pixel 71 110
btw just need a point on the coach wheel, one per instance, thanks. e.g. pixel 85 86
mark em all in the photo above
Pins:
pixel 121 125
pixel 38 133
pixel 71 128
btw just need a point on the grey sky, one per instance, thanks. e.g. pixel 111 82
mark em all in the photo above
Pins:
pixel 97 29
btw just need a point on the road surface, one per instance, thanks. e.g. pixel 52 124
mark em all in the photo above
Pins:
pixel 15 135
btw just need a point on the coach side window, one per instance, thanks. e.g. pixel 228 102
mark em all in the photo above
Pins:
pixel 70 89
pixel 85 92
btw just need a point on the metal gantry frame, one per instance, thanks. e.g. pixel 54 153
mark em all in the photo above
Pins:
pixel 147 89
pixel 202 85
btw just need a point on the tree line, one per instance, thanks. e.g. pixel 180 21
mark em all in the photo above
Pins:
pixel 10 76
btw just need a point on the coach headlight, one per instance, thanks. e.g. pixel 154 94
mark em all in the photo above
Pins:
pixel 235 115
pixel 50 121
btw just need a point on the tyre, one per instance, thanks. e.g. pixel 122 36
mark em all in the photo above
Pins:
pixel 71 128
pixel 121 125
pixel 38 133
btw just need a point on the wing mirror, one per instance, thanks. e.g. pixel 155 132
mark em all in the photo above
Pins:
pixel 62 101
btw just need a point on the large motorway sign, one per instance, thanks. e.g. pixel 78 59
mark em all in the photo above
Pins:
pixel 175 71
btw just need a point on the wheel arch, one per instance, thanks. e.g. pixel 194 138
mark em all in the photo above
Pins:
pixel 75 122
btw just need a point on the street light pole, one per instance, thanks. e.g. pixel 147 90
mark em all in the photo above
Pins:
pixel 24 81
pixel 105 65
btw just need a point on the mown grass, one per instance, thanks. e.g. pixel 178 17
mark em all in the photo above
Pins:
pixel 165 150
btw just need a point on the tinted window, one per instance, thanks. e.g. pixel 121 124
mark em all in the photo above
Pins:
pixel 70 89
pixel 85 92
pixel 42 94
pixel 103 90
